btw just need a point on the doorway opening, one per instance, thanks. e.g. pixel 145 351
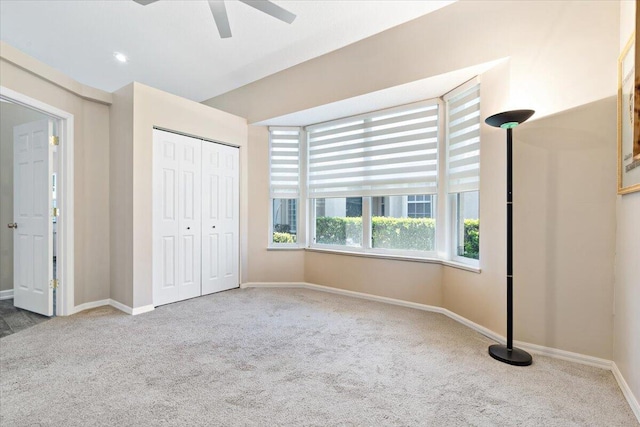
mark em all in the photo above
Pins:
pixel 36 233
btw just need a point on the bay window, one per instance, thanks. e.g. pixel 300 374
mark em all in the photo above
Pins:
pixel 373 183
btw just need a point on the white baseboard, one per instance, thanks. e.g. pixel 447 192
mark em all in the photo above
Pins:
pixel 476 327
pixel 533 348
pixel 8 294
pixel 124 308
pixel 114 304
pixel 564 355
pixel 129 310
pixel 143 309
pixel 626 390
pixel 89 305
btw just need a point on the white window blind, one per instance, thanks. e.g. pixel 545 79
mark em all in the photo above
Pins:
pixel 389 152
pixel 284 153
pixel 463 140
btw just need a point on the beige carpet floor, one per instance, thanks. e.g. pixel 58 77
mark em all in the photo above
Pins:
pixel 294 357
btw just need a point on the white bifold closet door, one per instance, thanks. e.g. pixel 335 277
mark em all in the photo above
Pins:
pixel 195 217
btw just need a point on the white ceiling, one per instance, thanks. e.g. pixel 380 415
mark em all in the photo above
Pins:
pixel 174 45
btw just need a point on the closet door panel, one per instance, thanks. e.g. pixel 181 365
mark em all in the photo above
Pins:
pixel 166 169
pixel 229 221
pixel 210 218
pixel 190 217
pixel 230 224
pixel 220 221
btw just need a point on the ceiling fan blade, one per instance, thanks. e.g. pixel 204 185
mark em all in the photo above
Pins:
pixel 271 9
pixel 145 2
pixel 220 15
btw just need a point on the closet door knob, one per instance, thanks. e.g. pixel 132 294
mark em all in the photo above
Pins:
pixel 188 228
pixel 213 226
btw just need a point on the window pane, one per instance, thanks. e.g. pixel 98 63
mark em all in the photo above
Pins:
pixel 468 227
pixel 339 221
pixel 285 220
pixel 406 223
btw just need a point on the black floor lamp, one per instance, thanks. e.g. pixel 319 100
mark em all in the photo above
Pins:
pixel 509 354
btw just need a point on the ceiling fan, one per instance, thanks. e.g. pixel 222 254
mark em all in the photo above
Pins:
pixel 219 12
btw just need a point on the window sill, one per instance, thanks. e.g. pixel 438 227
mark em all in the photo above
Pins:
pixel 461 266
pixel 285 248
pixel 447 263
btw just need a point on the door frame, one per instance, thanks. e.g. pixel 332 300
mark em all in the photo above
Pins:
pixel 65 200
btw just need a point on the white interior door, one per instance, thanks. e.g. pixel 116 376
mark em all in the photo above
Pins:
pixel 177 217
pixel 32 222
pixel 220 217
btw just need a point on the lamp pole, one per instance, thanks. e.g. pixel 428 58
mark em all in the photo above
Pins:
pixel 508 353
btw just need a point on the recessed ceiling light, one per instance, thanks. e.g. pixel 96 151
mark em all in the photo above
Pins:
pixel 120 56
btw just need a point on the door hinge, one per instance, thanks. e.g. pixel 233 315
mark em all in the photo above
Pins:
pixel 54 284
pixel 54 140
pixel 55 212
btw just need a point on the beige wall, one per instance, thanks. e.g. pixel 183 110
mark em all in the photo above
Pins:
pixel 10 115
pixel 404 280
pixel 150 107
pixel 265 266
pixel 121 195
pixel 92 205
pixel 565 225
pixel 626 332
pixel 91 144
pixel 560 56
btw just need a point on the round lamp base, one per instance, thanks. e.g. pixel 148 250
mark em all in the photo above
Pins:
pixel 515 356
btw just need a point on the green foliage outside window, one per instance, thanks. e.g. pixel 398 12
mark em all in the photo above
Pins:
pixel 471 248
pixel 416 234
pixel 388 233
pixel 282 237
pixel 332 230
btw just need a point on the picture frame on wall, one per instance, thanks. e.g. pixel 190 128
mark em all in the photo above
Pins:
pixel 628 119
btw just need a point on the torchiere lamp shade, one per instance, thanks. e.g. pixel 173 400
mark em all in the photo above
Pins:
pixel 509 119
